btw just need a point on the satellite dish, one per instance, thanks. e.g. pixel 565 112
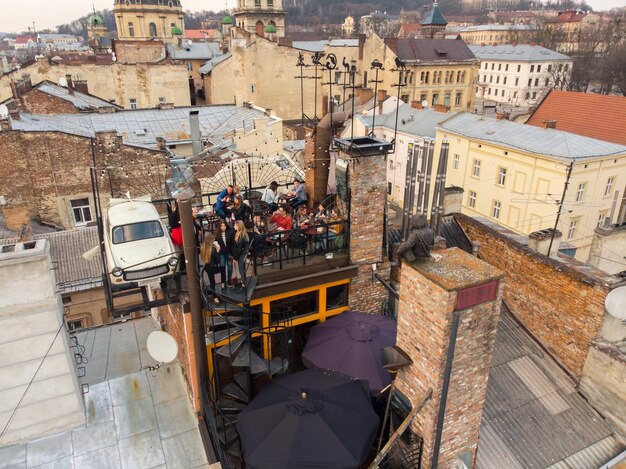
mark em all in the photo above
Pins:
pixel 4 111
pixel 424 103
pixel 190 42
pixel 615 303
pixel 162 347
pixel 63 82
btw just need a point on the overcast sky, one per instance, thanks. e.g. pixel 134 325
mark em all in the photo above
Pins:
pixel 18 15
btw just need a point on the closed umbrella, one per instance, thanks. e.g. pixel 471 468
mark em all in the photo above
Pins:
pixel 311 419
pixel 350 343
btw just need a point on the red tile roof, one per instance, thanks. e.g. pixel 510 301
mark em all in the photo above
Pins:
pixel 24 39
pixel 408 29
pixel 592 115
pixel 569 16
pixel 201 33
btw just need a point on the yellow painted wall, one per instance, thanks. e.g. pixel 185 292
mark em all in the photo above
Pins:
pixel 141 16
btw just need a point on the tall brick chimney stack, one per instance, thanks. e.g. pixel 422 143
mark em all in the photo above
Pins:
pixel 367 184
pixel 447 321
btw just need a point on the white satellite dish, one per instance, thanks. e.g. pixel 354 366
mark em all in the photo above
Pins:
pixel 162 347
pixel 615 303
pixel 63 82
pixel 190 42
pixel 4 111
pixel 424 103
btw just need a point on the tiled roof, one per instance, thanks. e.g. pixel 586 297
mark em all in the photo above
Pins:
pixel 547 142
pixel 409 28
pixel 592 115
pixel 428 50
pixel 516 53
pixel 142 127
pixel 569 16
pixel 202 34
pixel 72 271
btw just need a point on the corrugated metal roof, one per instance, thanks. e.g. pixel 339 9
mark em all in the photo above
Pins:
pixel 418 122
pixel 194 51
pixel 548 142
pixel 311 46
pixel 142 127
pixel 72 271
pixel 517 53
pixel 208 66
pixel 533 416
pixel 498 27
pixel 81 100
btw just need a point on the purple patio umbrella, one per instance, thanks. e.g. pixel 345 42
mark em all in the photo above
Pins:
pixel 350 343
pixel 311 419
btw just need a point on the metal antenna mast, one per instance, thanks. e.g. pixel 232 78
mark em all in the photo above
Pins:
pixel 317 61
pixel 331 64
pixel 401 69
pixel 378 66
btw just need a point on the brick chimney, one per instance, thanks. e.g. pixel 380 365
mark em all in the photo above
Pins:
pixel 5 125
pixel 14 114
pixel 548 124
pixel 441 108
pixel 365 94
pixel 416 105
pixel 540 241
pixel 81 86
pixel 70 83
pixel 502 116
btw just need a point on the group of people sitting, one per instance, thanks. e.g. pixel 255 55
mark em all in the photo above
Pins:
pixel 240 231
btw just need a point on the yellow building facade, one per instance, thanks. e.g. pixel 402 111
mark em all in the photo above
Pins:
pixel 498 34
pixel 149 19
pixel 515 175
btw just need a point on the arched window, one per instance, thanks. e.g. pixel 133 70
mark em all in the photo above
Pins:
pixel 260 28
pixel 153 29
pixel 131 29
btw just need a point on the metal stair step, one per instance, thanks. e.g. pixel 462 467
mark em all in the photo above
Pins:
pixel 231 348
pixel 241 379
pixel 218 336
pixel 230 406
pixel 220 320
pixel 233 391
pixel 278 365
pixel 246 357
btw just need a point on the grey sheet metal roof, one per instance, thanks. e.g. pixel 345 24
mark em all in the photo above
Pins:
pixel 418 122
pixel 293 145
pixel 82 101
pixel 414 50
pixel 549 142
pixel 142 127
pixel 209 65
pixel 72 271
pixel 516 53
pixel 533 416
pixel 194 51
pixel 318 46
pixel 498 27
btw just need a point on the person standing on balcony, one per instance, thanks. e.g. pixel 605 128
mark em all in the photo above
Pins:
pixel 224 240
pixel 211 259
pixel 240 250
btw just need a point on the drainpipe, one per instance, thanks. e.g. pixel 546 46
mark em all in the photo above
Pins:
pixel 194 123
pixel 446 385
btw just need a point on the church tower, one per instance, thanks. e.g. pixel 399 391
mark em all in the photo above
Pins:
pixel 149 19
pixel 434 24
pixel 261 17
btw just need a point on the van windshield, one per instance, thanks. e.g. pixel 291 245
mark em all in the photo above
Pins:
pixel 137 231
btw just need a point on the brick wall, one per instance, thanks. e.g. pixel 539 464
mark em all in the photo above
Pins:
pixel 561 302
pixel 367 185
pixel 38 102
pixel 425 318
pixel 41 171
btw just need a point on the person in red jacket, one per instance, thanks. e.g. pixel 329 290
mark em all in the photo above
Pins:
pixel 280 221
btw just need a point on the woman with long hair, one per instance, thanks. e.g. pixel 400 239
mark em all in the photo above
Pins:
pixel 224 238
pixel 211 259
pixel 240 210
pixel 240 250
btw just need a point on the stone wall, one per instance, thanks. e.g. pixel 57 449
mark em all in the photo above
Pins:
pixel 40 172
pixel 134 52
pixel 38 102
pixel 425 319
pixel 561 302
pixel 367 181
pixel 34 345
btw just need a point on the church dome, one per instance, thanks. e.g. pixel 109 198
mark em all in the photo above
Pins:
pixel 166 3
pixel 176 31
pixel 270 29
pixel 95 20
pixel 227 20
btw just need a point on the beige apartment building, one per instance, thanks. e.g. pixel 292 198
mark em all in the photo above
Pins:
pixel 497 33
pixel 514 174
pixel 438 71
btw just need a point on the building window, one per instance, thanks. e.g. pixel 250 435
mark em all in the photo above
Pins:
pixel 538 68
pixel 532 68
pixel 536 81
pixel 527 95
pixel 435 98
pixel 189 66
pixel 499 67
pixel 131 29
pixel 501 176
pixel 498 79
pixel 257 3
pixel 458 76
pixel 81 211
pixel 492 66
pixel 490 78
pixel 516 81
pixel 495 210
pixel 506 68
pixel 549 68
pixel 504 81
pixel 251 88
pixel 405 98
pixel 457 159
pixel 133 103
pixel 270 3
pixel 423 97
pixel 75 325
pixel 486 65
pixel 153 30
pixel 515 95
pixel 472 199
pixel 571 232
pixel 519 68
pixel 547 82
pixel 530 82
pixel 609 186
pixel 601 219
pixel 446 99
pixel 534 95
pixel 581 191
pixel 476 168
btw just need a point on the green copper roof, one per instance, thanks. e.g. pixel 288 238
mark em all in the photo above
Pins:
pixel 227 20
pixel 176 31
pixel 434 17
pixel 270 29
pixel 95 20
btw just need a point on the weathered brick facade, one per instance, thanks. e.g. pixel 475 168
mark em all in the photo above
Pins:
pixel 367 180
pixel 562 305
pixel 41 172
pixel 428 299
pixel 38 102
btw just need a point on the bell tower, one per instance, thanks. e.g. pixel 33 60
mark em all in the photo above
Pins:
pixel 261 17
pixel 149 19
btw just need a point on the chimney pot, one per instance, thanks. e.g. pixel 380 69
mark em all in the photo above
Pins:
pixel 548 124
pixel 14 114
pixel 70 83
pixel 416 105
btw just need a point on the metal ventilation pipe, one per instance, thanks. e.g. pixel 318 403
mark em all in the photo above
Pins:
pixel 194 123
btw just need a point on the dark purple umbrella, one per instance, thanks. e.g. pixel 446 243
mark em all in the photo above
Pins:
pixel 311 419
pixel 350 343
